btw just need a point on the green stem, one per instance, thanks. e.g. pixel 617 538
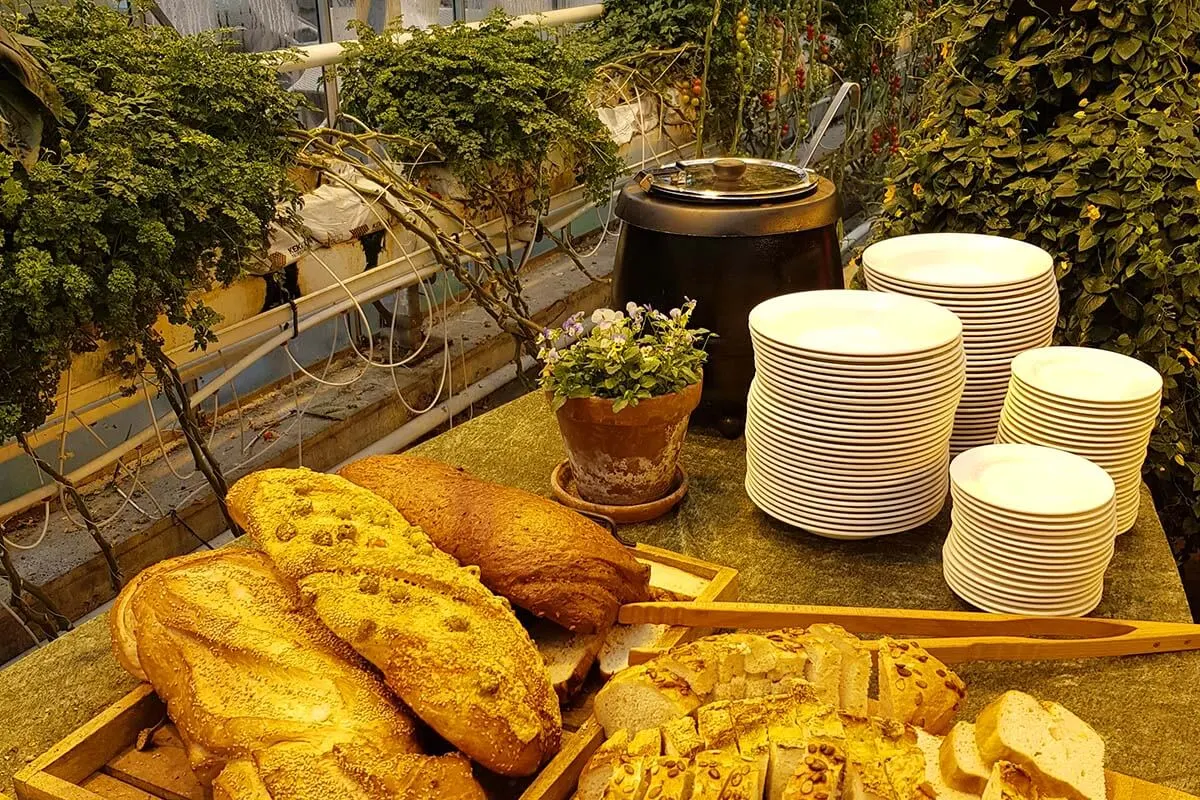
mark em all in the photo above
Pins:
pixel 708 37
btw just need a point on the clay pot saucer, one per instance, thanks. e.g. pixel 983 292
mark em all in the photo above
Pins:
pixel 562 482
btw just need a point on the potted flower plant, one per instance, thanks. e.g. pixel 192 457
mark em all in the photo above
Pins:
pixel 623 393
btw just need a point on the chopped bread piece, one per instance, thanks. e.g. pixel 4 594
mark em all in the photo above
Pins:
pixel 916 688
pixel 569 656
pixel 744 783
pixel 680 738
pixel 732 689
pixel 865 776
pixel 824 668
pixel 668 778
pixel 643 697
pixel 1010 782
pixel 614 653
pixel 961 764
pixel 628 781
pixel 821 774
pixel 1061 753
pixel 936 786
pixel 786 754
pixel 855 666
pixel 902 760
pixel 715 725
pixel 710 772
pixel 618 750
pixel 823 721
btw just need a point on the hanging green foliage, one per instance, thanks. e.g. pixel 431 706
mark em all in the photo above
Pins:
pixel 162 178
pixel 496 102
pixel 1075 128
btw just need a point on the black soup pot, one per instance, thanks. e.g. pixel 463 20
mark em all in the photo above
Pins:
pixel 728 233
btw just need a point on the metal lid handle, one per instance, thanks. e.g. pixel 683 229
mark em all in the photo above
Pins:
pixel 729 169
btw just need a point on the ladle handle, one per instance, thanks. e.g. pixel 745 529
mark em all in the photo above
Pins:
pixel 819 134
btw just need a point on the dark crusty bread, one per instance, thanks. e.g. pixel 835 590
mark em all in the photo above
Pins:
pixel 268 702
pixel 453 651
pixel 542 556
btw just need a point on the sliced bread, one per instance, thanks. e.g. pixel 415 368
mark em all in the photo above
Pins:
pixel 628 781
pixel 668 778
pixel 820 775
pixel 937 788
pixel 855 666
pixel 1059 756
pixel 569 656
pixel 617 751
pixel 824 668
pixel 710 773
pixel 715 726
pixel 902 760
pixel 865 776
pixel 1007 781
pixel 786 754
pixel 680 738
pixel 614 653
pixel 961 764
pixel 916 688
pixel 642 697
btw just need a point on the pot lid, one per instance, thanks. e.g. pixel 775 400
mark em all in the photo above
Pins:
pixel 728 180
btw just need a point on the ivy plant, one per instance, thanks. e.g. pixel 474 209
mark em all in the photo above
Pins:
pixel 494 101
pixel 1074 127
pixel 162 177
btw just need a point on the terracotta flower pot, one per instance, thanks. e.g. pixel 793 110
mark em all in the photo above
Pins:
pixel 627 457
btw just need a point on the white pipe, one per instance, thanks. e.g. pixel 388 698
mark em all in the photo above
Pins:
pixel 326 53
pixel 422 424
pixel 851 239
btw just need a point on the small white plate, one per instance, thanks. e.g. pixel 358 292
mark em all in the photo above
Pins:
pixel 1024 573
pixel 1089 375
pixel 974 594
pixel 958 259
pixel 845 322
pixel 1033 480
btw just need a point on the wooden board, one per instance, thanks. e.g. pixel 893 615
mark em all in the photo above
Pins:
pixel 99 761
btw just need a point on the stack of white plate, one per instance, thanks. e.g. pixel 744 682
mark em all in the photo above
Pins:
pixel 1093 403
pixel 1032 530
pixel 849 416
pixel 1004 292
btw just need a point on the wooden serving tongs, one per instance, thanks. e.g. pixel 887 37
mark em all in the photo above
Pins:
pixel 951 636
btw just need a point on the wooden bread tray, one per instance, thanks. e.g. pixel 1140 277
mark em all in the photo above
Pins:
pixel 99 761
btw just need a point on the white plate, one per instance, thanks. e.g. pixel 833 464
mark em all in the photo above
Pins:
pixel 844 470
pixel 814 482
pixel 849 451
pixel 958 259
pixel 1087 537
pixel 1083 519
pixel 839 529
pixel 1082 431
pixel 792 422
pixel 1116 455
pixel 1021 406
pixel 1089 375
pixel 1033 396
pixel 1045 598
pixel 881 399
pixel 926 375
pixel 836 411
pixel 1023 573
pixel 1037 288
pixel 980 599
pixel 1032 480
pixel 1034 558
pixel 840 364
pixel 817 476
pixel 844 322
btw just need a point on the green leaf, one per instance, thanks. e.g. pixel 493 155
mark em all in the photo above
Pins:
pixel 1127 46
pixel 1106 197
pixel 1087 239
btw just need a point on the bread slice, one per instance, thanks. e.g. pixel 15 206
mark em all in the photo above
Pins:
pixel 614 653
pixel 824 668
pixel 680 738
pixel 569 656
pixel 617 751
pixel 715 725
pixel 936 786
pixel 744 783
pixel 1009 782
pixel 1058 752
pixel 643 697
pixel 916 688
pixel 821 774
pixel 902 760
pixel 628 781
pixel 710 772
pixel 668 778
pixel 961 764
pixel 787 751
pixel 855 666
pixel 865 776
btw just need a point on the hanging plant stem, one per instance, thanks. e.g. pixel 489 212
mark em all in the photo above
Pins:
pixel 172 387
pixel 708 43
pixel 89 522
pixel 52 621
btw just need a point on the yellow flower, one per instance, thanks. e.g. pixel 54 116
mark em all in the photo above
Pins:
pixel 1083 101
pixel 890 193
pixel 1198 184
pixel 1079 115
pixel 945 49
pixel 918 190
pixel 1091 212
pixel 1183 351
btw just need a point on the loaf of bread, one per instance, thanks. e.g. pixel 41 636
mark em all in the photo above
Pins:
pixel 454 652
pixel 268 702
pixel 542 556
pixel 916 688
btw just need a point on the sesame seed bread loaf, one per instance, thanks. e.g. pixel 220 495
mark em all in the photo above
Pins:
pixel 454 652
pixel 268 702
pixel 916 688
pixel 542 556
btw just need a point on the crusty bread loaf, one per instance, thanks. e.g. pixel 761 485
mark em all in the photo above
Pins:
pixel 1010 782
pixel 916 688
pixel 1060 752
pixel 961 763
pixel 268 702
pixel 540 555
pixel 454 652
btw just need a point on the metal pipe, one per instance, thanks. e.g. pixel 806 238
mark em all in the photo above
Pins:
pixel 326 53
pixel 422 424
